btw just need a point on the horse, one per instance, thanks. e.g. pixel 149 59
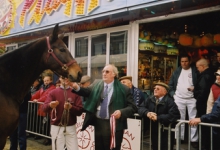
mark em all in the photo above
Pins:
pixel 21 67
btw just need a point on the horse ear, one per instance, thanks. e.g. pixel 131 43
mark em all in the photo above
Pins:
pixel 55 32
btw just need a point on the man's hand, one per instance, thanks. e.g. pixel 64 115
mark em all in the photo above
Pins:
pixel 152 116
pixel 194 122
pixel 67 105
pixel 35 100
pixel 74 85
pixel 54 104
pixel 117 114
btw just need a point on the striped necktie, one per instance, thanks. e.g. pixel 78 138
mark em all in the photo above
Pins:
pixel 104 104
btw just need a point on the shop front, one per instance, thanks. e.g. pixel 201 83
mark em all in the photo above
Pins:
pixel 192 30
pixel 142 38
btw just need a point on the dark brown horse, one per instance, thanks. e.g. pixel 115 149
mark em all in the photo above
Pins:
pixel 19 69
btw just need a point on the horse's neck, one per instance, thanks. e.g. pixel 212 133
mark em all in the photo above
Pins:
pixel 20 68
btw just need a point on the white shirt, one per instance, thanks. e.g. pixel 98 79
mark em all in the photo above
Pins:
pixel 184 82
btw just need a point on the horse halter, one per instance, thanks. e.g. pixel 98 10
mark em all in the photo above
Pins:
pixel 50 52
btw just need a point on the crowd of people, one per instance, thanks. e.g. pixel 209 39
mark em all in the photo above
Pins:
pixel 193 89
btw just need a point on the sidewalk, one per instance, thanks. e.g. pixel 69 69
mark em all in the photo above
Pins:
pixel 146 145
pixel 32 144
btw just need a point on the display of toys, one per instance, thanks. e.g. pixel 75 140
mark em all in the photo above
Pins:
pixel 146 46
pixel 185 39
pixel 216 38
pixel 172 51
pixel 160 48
pixel 207 40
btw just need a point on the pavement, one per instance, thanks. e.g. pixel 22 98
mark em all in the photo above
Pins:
pixel 33 144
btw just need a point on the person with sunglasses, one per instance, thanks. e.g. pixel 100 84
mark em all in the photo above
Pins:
pixel 160 107
pixel 107 100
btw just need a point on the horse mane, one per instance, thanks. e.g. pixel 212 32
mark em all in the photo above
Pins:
pixel 20 67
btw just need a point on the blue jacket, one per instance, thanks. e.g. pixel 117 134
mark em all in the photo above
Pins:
pixel 138 95
pixel 212 117
pixel 175 76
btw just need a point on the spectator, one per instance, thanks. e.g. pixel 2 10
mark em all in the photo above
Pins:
pixel 19 135
pixel 40 96
pixel 217 64
pixel 212 117
pixel 107 98
pixel 160 108
pixel 181 88
pixel 138 95
pixel 58 83
pixel 214 93
pixel 201 92
pixel 36 85
pixel 63 133
pixel 85 82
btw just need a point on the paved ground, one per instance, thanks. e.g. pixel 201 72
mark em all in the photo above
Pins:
pixel 32 144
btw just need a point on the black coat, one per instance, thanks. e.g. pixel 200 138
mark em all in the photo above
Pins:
pixel 167 112
pixel 202 90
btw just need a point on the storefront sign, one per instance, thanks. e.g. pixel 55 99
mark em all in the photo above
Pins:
pixel 21 15
pixel 131 139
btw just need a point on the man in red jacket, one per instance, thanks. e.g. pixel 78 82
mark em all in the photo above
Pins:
pixel 64 106
pixel 40 96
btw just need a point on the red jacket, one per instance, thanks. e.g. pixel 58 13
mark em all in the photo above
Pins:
pixel 41 96
pixel 75 101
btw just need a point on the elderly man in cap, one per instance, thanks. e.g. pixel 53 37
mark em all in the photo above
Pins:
pixel 138 95
pixel 85 82
pixel 160 107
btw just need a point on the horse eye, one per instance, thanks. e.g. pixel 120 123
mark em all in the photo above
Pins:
pixel 62 50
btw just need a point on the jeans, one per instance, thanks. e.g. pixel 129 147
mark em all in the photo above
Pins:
pixel 19 135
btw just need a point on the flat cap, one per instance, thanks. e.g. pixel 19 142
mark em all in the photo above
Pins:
pixel 217 73
pixel 85 79
pixel 126 77
pixel 162 84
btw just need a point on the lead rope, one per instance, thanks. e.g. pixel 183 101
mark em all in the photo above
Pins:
pixel 64 119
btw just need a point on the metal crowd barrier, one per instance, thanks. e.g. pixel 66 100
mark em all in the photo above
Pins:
pixel 41 126
pixel 178 133
pixel 37 125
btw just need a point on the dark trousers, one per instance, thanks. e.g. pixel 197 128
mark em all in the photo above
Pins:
pixel 103 135
pixel 19 135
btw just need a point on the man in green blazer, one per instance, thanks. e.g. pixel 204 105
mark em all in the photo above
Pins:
pixel 106 98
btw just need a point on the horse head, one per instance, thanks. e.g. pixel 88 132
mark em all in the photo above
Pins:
pixel 59 58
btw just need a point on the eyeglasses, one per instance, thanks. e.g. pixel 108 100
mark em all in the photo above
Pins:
pixel 105 71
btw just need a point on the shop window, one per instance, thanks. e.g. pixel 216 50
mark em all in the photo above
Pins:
pixel 81 47
pixel 118 51
pixel 98 59
pixel 66 40
pixel 99 44
pixel 81 53
pixel 118 42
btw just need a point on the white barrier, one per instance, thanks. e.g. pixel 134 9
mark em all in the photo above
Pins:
pixel 131 139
